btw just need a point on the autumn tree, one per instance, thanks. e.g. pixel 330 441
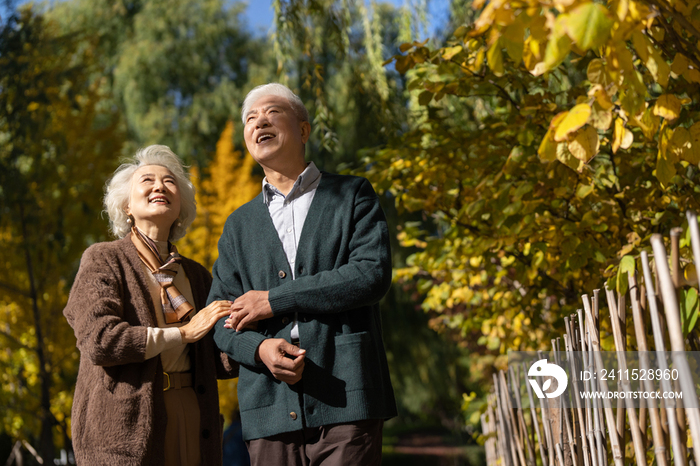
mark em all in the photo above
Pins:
pixel 551 139
pixel 58 147
pixel 174 69
pixel 227 183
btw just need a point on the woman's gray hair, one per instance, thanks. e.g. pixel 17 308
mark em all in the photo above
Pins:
pixel 118 190
pixel 279 90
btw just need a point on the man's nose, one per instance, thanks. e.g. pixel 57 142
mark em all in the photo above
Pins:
pixel 261 122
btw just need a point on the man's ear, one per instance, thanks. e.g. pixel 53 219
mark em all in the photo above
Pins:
pixel 305 131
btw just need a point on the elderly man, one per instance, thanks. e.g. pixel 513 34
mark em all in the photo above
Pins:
pixel 306 263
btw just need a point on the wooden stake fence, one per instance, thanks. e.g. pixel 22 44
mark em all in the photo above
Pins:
pixel 591 431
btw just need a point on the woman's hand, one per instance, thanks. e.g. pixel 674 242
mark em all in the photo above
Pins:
pixel 204 320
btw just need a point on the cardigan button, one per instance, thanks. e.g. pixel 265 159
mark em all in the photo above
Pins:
pixel 205 433
pixel 285 320
pixel 293 415
pixel 301 270
pixel 281 274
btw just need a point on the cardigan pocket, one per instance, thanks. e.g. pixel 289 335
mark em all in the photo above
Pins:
pixel 256 389
pixel 118 426
pixel 354 362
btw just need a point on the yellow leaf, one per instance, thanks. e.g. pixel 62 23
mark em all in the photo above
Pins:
pixel 494 57
pixel 548 148
pixel 680 64
pixel 692 75
pixel 667 106
pixel 618 134
pixel 627 140
pixel 449 52
pixel 485 20
pixel 679 144
pixel 568 159
pixel 639 41
pixel 33 106
pixel 575 119
pixel 621 8
pixel 533 56
pixel 514 39
pixel 601 118
pixel 602 97
pixel 504 15
pixel 665 170
pixel 692 155
pixel 596 72
pixel 585 145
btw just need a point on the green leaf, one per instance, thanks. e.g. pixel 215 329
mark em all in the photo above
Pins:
pixel 495 58
pixel 425 97
pixel 559 45
pixel 689 309
pixel 589 25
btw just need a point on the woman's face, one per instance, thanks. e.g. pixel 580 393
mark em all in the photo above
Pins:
pixel 155 198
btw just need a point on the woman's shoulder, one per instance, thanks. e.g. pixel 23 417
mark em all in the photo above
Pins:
pixel 107 251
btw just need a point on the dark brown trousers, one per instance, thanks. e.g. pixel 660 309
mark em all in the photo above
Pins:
pixel 355 443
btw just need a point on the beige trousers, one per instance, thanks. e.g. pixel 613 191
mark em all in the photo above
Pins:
pixel 182 430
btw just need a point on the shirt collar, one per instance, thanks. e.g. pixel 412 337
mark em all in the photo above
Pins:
pixel 304 180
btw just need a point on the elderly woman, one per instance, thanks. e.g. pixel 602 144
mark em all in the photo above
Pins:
pixel 146 392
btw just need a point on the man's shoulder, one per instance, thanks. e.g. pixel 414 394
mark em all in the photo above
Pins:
pixel 348 186
pixel 247 210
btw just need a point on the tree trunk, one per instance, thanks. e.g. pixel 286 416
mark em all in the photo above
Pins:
pixel 46 446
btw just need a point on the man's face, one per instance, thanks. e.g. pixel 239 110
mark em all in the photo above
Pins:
pixel 273 130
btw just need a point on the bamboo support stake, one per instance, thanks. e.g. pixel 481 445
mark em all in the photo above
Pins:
pixel 621 346
pixel 564 411
pixel 535 422
pixel 597 431
pixel 577 399
pixel 502 427
pixel 570 344
pixel 677 281
pixel 515 383
pixel 673 321
pixel 637 442
pixel 586 386
pixel 507 405
pixel 494 430
pixel 657 434
pixel 676 445
pixel 618 456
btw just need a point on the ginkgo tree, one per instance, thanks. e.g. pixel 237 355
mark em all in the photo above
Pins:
pixel 551 139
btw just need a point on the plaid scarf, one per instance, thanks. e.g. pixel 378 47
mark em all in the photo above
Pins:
pixel 175 306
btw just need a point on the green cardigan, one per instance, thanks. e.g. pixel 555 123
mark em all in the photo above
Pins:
pixel 343 269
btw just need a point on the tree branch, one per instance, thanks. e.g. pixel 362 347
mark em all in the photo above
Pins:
pixel 17 342
pixel 11 288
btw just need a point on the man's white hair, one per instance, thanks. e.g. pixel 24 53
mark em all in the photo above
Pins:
pixel 275 89
pixel 118 190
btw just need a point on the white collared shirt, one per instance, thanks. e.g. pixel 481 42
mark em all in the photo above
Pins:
pixel 288 214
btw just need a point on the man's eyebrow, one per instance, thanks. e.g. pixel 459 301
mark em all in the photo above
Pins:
pixel 256 110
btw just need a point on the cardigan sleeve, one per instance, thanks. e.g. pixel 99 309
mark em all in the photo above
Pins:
pixel 362 281
pixel 227 284
pixel 95 311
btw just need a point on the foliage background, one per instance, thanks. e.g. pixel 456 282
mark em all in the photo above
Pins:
pixel 521 153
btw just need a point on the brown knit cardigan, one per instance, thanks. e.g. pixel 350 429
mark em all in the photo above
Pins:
pixel 118 415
